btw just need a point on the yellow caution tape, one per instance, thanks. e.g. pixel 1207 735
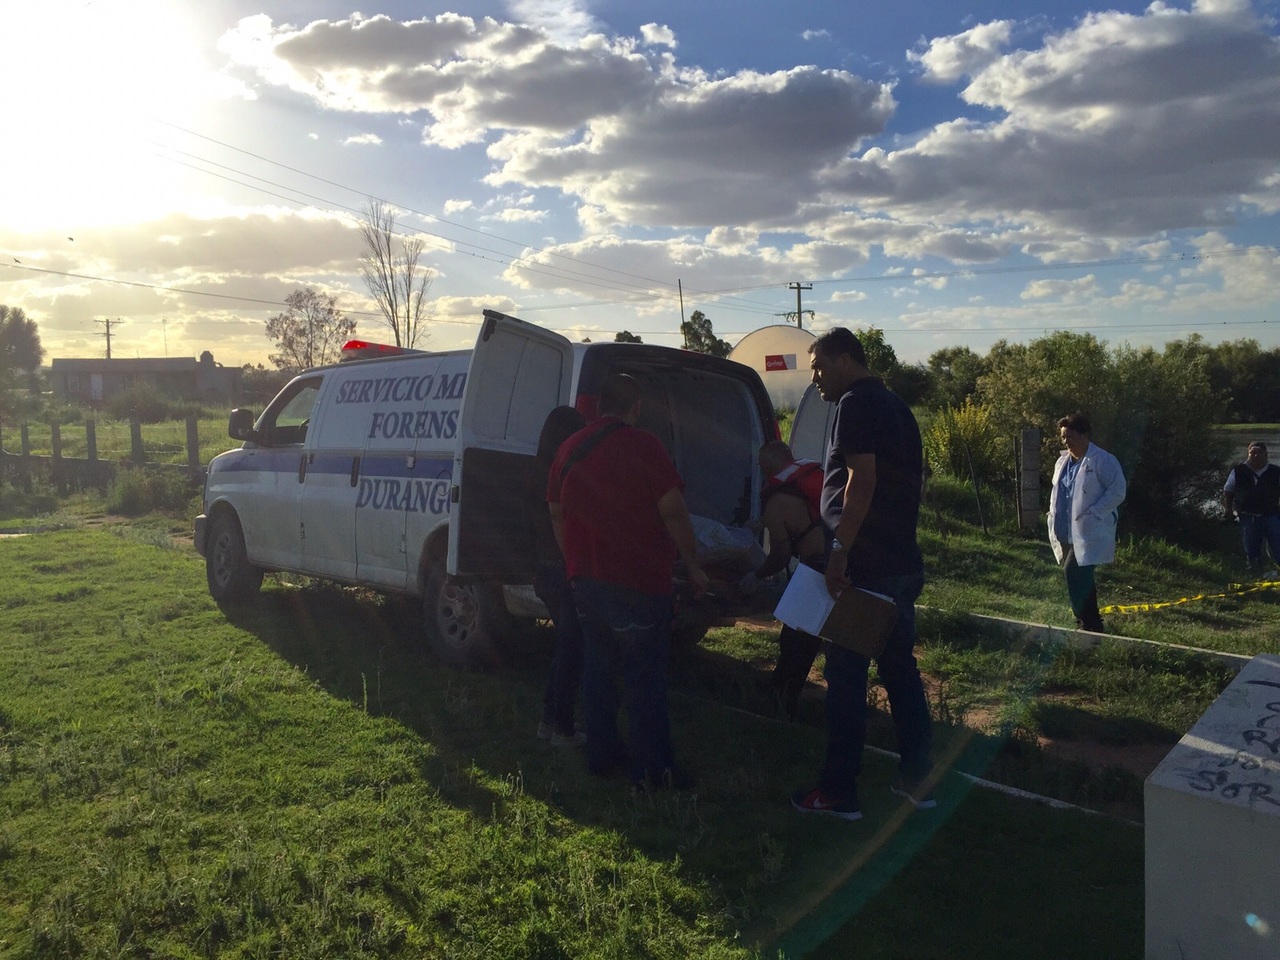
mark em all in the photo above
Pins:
pixel 1233 590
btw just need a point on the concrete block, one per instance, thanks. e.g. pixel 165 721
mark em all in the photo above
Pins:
pixel 1213 829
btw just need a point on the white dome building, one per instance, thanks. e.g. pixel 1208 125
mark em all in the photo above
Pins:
pixel 780 354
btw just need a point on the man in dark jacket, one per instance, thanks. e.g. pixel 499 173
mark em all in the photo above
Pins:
pixel 871 503
pixel 1252 493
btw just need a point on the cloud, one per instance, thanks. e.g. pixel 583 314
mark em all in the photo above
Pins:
pixel 619 129
pixel 658 34
pixel 1066 291
pixel 516 215
pixel 1121 127
pixel 815 35
pixel 1075 145
pixel 947 59
pixel 650 268
pixel 708 152
pixel 216 279
pixel 565 21
pixel 362 139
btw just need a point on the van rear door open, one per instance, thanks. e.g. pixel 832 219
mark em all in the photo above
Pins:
pixel 519 373
pixel 811 426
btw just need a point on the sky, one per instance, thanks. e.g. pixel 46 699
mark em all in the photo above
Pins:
pixel 952 174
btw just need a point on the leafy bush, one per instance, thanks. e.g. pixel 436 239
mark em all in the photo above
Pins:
pixel 147 404
pixel 958 437
pixel 15 502
pixel 1154 412
pixel 135 492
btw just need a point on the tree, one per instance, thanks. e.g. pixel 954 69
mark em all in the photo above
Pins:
pixel 20 357
pixel 626 336
pixel 908 382
pixel 259 385
pixel 881 358
pixel 311 332
pixel 395 278
pixel 954 372
pixel 1153 411
pixel 699 337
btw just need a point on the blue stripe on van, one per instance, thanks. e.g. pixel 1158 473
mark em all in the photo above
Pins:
pixel 425 468
pixel 286 461
pixel 258 461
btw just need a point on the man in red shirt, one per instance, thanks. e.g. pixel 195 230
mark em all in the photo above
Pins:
pixel 620 518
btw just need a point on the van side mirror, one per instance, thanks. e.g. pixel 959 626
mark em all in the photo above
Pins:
pixel 240 426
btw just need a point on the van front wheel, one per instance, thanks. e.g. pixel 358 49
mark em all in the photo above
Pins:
pixel 227 568
pixel 464 622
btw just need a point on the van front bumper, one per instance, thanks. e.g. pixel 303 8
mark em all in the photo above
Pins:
pixel 202 529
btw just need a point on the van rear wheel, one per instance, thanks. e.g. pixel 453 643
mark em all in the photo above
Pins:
pixel 227 568
pixel 465 623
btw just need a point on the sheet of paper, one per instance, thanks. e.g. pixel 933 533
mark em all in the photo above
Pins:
pixel 805 603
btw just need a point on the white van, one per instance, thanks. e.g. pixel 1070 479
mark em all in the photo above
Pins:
pixel 408 474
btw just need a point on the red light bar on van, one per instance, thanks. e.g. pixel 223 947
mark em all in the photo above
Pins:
pixel 364 349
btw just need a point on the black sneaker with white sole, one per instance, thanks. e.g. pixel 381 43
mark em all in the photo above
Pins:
pixel 918 792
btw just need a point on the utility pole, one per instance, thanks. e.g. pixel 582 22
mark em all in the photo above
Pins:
pixel 107 324
pixel 797 287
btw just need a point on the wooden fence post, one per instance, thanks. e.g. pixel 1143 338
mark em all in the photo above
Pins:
pixel 193 445
pixel 55 461
pixel 91 439
pixel 26 442
pixel 135 438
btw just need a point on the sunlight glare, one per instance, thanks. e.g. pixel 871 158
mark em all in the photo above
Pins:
pixel 84 83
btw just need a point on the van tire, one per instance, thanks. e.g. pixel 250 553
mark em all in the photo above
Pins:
pixel 230 575
pixel 464 623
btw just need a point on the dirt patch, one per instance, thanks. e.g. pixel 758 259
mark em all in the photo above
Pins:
pixel 1137 759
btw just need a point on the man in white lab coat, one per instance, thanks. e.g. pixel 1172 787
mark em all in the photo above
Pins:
pixel 1084 503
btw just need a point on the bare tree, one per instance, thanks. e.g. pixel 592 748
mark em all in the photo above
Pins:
pixel 396 279
pixel 311 332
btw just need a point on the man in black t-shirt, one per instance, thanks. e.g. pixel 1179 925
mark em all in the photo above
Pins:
pixel 1252 493
pixel 871 501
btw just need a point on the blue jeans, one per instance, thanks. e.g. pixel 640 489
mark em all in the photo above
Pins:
pixel 846 704
pixel 1254 530
pixel 627 634
pixel 565 676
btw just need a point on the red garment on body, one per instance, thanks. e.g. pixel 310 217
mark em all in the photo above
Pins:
pixel 804 477
pixel 612 529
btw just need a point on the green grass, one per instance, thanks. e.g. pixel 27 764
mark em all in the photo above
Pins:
pixel 1006 574
pixel 297 778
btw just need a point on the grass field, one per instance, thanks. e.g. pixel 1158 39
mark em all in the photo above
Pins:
pixel 297 778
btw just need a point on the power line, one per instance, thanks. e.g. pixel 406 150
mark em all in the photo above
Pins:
pixel 426 216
